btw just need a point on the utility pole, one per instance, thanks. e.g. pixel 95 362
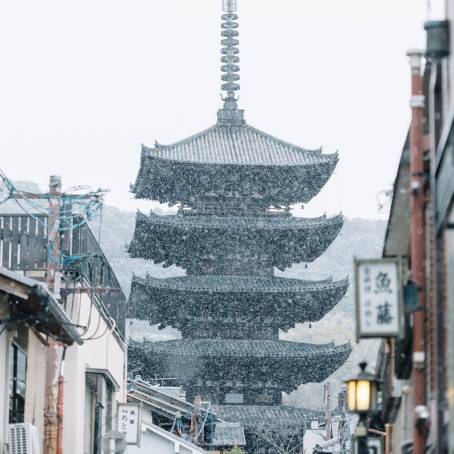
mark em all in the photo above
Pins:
pixel 54 391
pixel 53 284
pixel 417 240
pixel 328 419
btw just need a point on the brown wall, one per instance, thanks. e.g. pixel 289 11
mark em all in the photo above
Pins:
pixel 35 386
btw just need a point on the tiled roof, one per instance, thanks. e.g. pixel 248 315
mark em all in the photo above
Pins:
pixel 240 222
pixel 228 434
pixel 188 241
pixel 235 348
pixel 236 284
pixel 272 365
pixel 264 414
pixel 212 302
pixel 239 145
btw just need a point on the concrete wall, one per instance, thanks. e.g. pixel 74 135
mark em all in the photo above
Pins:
pixel 107 353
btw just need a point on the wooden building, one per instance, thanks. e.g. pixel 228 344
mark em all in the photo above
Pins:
pixel 397 359
pixel 234 185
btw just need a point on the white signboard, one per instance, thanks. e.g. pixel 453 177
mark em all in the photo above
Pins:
pixel 379 302
pixel 129 422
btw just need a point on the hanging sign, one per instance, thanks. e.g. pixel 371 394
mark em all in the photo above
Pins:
pixel 379 301
pixel 129 422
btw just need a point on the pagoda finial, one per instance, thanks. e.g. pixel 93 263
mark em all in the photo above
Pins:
pixel 230 115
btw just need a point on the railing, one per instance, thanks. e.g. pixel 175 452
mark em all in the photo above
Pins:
pixel 24 246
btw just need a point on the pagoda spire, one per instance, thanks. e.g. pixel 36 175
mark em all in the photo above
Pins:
pixel 229 115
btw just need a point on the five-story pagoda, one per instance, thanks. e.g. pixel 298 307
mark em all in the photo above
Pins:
pixel 234 186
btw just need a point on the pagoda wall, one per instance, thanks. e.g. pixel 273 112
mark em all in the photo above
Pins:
pixel 229 330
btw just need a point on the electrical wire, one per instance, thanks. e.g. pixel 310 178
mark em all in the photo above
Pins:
pixel 83 207
pixel 76 206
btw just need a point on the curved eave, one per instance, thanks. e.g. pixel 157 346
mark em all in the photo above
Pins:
pixel 273 362
pixel 183 240
pixel 232 299
pixel 170 181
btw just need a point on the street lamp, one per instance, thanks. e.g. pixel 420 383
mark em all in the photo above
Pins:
pixel 362 399
pixel 362 392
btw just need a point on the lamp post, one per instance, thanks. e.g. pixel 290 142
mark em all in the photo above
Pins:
pixel 362 399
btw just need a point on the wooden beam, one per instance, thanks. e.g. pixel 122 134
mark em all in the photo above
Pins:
pixel 14 288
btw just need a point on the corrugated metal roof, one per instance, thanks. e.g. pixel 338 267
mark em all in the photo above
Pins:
pixel 235 348
pixel 239 145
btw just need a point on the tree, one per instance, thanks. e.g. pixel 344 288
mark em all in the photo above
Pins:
pixel 284 440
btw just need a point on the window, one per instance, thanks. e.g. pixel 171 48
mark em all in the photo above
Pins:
pixel 110 412
pixel 17 377
pixel 99 409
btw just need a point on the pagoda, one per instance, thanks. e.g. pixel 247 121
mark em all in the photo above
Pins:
pixel 234 186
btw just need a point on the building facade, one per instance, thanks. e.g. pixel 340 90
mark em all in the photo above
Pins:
pixel 28 314
pixel 234 185
pixel 89 296
pixel 397 358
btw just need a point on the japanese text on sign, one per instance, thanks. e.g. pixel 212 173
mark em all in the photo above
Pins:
pixel 378 298
pixel 128 422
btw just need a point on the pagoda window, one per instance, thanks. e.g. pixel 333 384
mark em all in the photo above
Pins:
pixel 234 399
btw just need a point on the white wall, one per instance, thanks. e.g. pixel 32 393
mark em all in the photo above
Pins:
pixel 4 369
pixel 36 382
pixel 103 353
pixel 449 247
pixel 158 441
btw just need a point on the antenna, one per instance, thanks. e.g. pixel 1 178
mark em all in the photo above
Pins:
pixel 229 6
pixel 230 59
pixel 229 115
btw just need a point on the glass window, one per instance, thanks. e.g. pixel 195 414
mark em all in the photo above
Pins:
pixel 17 381
pixel 99 410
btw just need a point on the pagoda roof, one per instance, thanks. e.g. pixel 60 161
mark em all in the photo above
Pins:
pixel 240 222
pixel 273 364
pixel 192 242
pixel 237 284
pixel 243 348
pixel 240 145
pixel 223 300
pixel 234 164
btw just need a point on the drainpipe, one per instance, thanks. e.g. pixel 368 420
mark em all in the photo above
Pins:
pixel 417 242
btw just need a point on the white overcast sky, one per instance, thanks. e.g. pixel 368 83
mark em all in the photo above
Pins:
pixel 84 83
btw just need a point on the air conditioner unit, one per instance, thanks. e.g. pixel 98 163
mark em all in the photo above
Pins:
pixel 23 439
